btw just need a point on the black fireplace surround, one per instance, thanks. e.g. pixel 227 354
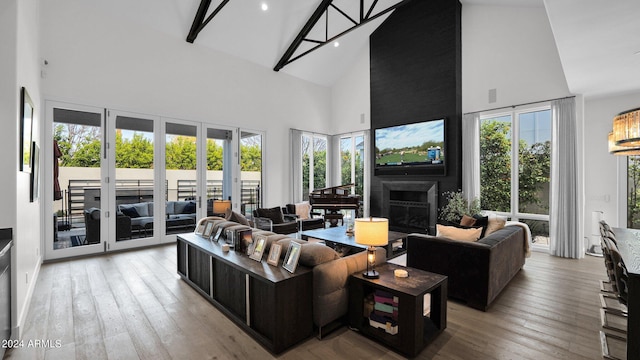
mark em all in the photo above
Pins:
pixel 410 206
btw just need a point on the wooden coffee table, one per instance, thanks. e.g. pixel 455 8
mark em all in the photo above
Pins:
pixel 337 237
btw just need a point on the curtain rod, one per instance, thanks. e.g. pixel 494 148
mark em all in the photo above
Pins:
pixel 514 106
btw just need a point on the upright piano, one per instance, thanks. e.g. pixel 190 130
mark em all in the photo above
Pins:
pixel 332 200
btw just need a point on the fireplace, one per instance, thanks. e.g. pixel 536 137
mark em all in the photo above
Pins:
pixel 410 206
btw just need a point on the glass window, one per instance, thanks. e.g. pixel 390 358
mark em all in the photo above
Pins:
pixel 495 163
pixel 250 171
pixel 314 163
pixel 515 168
pixel 534 162
pixel 633 189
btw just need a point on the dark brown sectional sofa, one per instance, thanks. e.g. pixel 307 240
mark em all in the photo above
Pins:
pixel 477 271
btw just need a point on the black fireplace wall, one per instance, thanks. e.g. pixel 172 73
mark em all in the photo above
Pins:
pixel 415 76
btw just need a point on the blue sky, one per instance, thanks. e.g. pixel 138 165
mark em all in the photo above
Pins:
pixel 409 135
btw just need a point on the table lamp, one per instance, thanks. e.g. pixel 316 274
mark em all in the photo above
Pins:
pixel 372 232
pixel 221 206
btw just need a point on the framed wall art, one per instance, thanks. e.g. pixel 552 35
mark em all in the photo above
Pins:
pixel 26 126
pixel 35 173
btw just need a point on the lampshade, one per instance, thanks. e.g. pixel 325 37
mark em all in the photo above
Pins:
pixel 372 231
pixel 621 150
pixel 221 206
pixel 626 128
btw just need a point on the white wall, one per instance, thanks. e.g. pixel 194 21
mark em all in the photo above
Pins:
pixel 19 67
pixel 351 97
pixel 9 98
pixel 605 174
pixel 510 49
pixel 103 60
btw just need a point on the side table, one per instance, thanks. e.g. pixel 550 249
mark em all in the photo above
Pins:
pixel 415 330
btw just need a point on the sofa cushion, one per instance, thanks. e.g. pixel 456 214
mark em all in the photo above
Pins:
pixel 315 254
pixel 275 214
pixel 178 206
pixel 129 210
pixel 142 209
pixel 169 207
pixel 454 233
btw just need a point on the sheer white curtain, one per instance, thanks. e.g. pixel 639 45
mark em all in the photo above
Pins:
pixel 471 155
pixel 295 152
pixel 564 214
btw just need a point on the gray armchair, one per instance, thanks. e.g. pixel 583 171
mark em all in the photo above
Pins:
pixel 92 226
pixel 275 221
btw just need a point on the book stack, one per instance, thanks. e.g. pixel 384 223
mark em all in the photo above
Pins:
pixel 385 312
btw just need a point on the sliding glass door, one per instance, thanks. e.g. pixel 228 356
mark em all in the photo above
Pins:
pixel 183 196
pixel 121 180
pixel 251 148
pixel 75 203
pixel 134 188
pixel 219 157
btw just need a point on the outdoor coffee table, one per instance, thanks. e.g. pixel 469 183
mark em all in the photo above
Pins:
pixel 336 237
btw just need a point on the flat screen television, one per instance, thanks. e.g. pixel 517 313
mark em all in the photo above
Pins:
pixel 417 148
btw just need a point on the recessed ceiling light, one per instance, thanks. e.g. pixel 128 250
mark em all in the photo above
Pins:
pixel 264 6
pixel 336 44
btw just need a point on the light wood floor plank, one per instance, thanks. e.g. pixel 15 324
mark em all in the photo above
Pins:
pixel 132 305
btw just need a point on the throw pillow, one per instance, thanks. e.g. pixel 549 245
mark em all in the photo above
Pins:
pixel 178 207
pixel 190 208
pixel 303 210
pixel 275 214
pixel 482 221
pixel 495 223
pixel 239 218
pixel 129 211
pixel 142 209
pixel 467 221
pixel 316 254
pixel 454 233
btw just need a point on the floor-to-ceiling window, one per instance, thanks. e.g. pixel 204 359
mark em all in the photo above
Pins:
pixel 77 201
pixel 314 163
pixel 251 154
pixel 633 192
pixel 515 165
pixel 352 150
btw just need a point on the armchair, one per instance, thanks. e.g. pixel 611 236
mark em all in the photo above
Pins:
pixel 92 226
pixel 305 216
pixel 275 220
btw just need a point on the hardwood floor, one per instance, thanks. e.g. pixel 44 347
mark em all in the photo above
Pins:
pixel 132 305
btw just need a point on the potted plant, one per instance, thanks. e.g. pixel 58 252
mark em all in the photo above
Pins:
pixel 457 206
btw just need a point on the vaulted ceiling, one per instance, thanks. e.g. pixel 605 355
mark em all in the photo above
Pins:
pixel 597 41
